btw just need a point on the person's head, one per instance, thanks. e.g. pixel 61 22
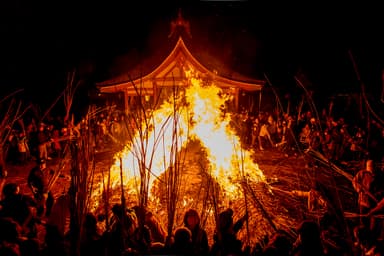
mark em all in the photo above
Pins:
pixel 226 220
pixel 369 165
pixel 312 120
pixel 270 119
pixel 281 243
pixel 157 248
pixel 10 189
pixel 41 127
pixel 125 214
pixel 191 218
pixel 90 222
pixel 140 212
pixel 41 163
pixel 309 231
pixel 10 230
pixel 182 236
pixel 118 210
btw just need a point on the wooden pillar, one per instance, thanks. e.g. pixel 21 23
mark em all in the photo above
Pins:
pixel 237 99
pixel 126 105
pixel 155 91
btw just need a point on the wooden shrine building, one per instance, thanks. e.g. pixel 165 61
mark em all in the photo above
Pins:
pixel 171 73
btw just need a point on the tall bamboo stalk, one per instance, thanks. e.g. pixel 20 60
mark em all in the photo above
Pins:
pixel 172 177
pixel 82 156
pixel 311 104
pixel 12 110
pixel 242 171
pixel 82 170
pixel 69 92
pixel 74 214
pixel 140 123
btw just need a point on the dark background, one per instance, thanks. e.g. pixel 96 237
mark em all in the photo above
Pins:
pixel 41 41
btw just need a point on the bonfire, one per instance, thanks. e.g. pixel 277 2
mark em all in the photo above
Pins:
pixel 186 154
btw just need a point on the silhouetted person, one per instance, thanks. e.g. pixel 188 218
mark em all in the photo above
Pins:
pixel 182 243
pixel 54 243
pixel 362 183
pixel 199 235
pixel 38 179
pixel 21 208
pixel 279 245
pixel 225 238
pixel 308 242
pixel 91 242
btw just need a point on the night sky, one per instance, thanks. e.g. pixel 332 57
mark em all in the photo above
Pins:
pixel 42 40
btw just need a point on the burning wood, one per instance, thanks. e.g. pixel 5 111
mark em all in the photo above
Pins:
pixel 185 154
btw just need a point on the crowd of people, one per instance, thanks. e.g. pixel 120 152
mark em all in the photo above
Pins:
pixel 136 231
pixel 338 139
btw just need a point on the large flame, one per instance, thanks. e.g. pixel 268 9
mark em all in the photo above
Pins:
pixel 195 113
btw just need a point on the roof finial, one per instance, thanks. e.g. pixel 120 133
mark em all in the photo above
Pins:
pixel 180 22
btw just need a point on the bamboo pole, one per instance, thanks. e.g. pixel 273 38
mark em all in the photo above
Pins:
pixel 123 206
pixel 245 199
pixel 382 86
pixel 319 157
pixel 282 109
pixel 312 106
pixel 363 91
pixel 13 111
pixel 74 223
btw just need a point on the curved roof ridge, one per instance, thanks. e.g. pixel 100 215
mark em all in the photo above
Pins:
pixel 180 47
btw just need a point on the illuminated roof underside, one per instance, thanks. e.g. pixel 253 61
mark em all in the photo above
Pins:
pixel 171 72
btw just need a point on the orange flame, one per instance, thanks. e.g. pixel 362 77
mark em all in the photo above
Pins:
pixel 198 115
